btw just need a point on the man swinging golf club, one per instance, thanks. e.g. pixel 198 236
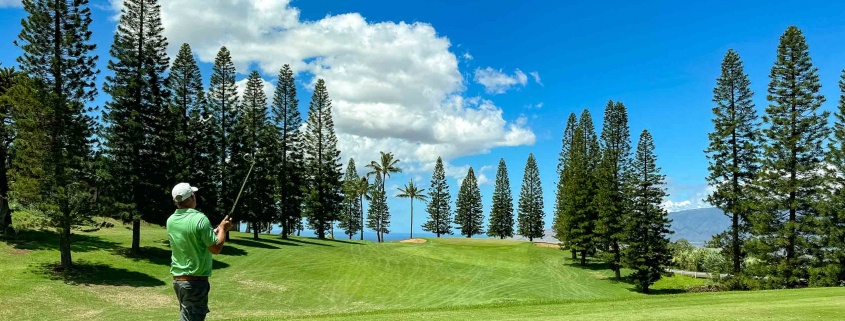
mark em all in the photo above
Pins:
pixel 192 241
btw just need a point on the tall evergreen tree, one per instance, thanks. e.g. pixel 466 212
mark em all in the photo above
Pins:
pixel 647 231
pixel 610 177
pixel 384 167
pixel 59 55
pixel 791 175
pixel 501 214
pixel 8 79
pixel 469 215
pixel 361 189
pixel 290 176
pixel 581 190
pixel 222 103
pixel 530 218
pixel 350 219
pixel 562 221
pixel 734 151
pixel 832 225
pixel 439 208
pixel 187 103
pixel 378 217
pixel 322 162
pixel 412 192
pixel 138 114
pixel 255 137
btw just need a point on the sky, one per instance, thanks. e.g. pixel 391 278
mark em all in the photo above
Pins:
pixel 479 81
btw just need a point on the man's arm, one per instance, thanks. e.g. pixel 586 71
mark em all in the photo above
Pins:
pixel 221 238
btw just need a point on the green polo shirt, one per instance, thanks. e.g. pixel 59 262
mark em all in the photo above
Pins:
pixel 190 236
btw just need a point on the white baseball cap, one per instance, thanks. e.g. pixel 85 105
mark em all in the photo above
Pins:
pixel 182 191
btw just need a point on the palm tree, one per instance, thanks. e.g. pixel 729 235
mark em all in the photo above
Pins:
pixel 411 191
pixel 384 168
pixel 361 189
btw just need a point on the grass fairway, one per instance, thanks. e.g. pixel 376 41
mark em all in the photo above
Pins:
pixel 303 278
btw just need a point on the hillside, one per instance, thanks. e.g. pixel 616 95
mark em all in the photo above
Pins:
pixel 698 225
pixel 302 277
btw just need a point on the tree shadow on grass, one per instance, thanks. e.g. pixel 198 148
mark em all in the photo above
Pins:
pixel 591 265
pixel 85 273
pixel 303 241
pixel 253 243
pixel 157 255
pixel 48 240
pixel 343 241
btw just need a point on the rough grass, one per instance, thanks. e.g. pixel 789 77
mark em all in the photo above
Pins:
pixel 441 279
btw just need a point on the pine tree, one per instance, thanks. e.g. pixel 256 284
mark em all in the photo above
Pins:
pixel 59 56
pixel 581 190
pixel 222 103
pixel 501 214
pixel 791 177
pixel 289 179
pixel 137 115
pixel 254 136
pixel 378 217
pixel 469 215
pixel 384 167
pixel 439 208
pixel 610 198
pixel 361 189
pixel 562 221
pixel 412 192
pixel 186 105
pixel 8 79
pixel 733 151
pixel 647 231
pixel 530 218
pixel 350 220
pixel 322 160
pixel 832 227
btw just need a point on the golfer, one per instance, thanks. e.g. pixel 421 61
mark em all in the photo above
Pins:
pixel 192 241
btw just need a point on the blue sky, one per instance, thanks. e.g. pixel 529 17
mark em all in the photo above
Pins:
pixel 477 81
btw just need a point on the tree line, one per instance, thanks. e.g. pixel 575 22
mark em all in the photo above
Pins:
pixel 779 180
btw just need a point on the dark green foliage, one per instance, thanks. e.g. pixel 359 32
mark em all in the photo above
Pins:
pixel 562 221
pixel 8 79
pixel 412 192
pixel 378 216
pixel 289 176
pixel 791 181
pixel 501 214
pixel 580 188
pixel 439 208
pixel 361 189
pixel 383 167
pixel 187 107
pixel 138 117
pixel 322 163
pixel 350 212
pixel 832 225
pixel 647 231
pixel 50 170
pixel 610 201
pixel 734 151
pixel 255 137
pixel 222 104
pixel 530 217
pixel 469 215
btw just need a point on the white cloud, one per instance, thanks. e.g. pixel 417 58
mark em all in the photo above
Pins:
pixel 671 206
pixel 11 3
pixel 498 82
pixel 394 86
pixel 536 76
pixel 467 56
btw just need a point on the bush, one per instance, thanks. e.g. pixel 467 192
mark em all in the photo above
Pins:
pixel 29 219
pixel 825 276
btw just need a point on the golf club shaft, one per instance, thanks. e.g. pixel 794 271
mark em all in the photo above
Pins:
pixel 232 211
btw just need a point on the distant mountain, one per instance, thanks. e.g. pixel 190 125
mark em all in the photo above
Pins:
pixel 698 225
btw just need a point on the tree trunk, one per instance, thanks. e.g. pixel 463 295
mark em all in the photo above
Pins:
pixel 574 254
pixel 64 245
pixel 5 213
pixel 255 229
pixel 362 217
pixel 412 218
pixel 617 259
pixel 583 257
pixel 136 235
pixel 736 257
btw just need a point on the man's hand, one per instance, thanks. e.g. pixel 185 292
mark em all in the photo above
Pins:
pixel 226 223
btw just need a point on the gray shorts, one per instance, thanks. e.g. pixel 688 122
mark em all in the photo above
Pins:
pixel 193 299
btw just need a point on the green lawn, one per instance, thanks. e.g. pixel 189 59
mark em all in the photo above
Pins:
pixel 443 279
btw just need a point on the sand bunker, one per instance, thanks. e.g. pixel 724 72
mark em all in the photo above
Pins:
pixel 413 241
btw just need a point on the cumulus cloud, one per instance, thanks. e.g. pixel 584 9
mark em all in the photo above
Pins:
pixel 11 3
pixel 498 82
pixel 467 56
pixel 394 86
